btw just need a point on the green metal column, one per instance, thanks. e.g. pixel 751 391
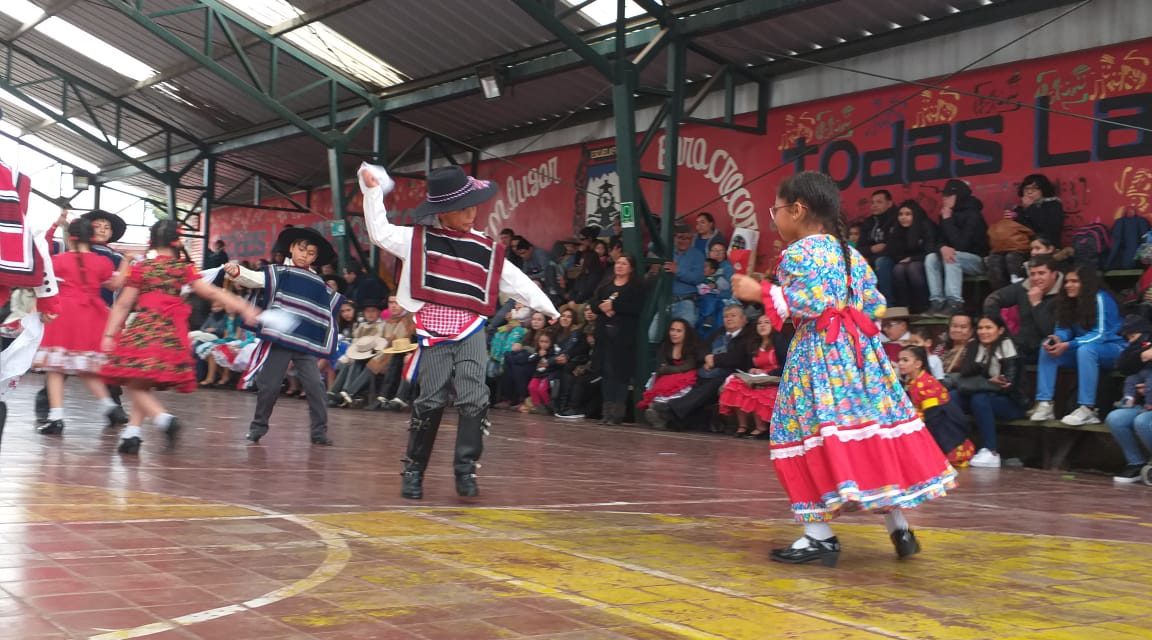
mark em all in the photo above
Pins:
pixel 207 201
pixel 339 203
pixel 627 160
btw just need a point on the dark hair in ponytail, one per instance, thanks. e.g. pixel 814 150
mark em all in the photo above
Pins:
pixel 819 193
pixel 80 232
pixel 164 234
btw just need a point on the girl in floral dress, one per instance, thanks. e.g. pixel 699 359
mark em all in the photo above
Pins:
pixel 71 343
pixel 154 352
pixel 844 435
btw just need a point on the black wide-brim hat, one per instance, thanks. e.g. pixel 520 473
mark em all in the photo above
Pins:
pixel 118 224
pixel 450 189
pixel 325 253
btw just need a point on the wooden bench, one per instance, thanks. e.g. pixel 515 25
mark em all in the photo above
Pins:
pixel 1054 446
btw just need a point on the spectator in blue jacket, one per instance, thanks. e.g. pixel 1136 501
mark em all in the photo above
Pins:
pixel 687 270
pixel 1086 337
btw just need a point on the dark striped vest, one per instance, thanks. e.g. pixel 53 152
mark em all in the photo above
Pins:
pixel 315 307
pixel 456 269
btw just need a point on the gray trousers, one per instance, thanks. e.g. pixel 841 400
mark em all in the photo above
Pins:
pixel 460 364
pixel 270 378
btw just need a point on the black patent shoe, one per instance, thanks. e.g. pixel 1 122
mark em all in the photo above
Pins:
pixel 466 486
pixel 323 441
pixel 905 542
pixel 129 445
pixel 53 428
pixel 413 485
pixel 826 551
pixel 254 434
pixel 172 433
pixel 117 417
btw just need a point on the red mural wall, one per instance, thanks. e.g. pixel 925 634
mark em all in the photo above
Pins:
pixel 1084 119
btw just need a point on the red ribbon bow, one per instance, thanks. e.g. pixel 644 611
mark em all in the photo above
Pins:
pixel 851 320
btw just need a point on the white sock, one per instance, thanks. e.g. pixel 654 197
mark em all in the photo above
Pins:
pixel 107 404
pixel 895 521
pixel 131 431
pixel 163 420
pixel 816 531
pixel 55 414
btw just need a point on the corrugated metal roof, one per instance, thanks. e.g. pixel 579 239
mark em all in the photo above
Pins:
pixel 444 39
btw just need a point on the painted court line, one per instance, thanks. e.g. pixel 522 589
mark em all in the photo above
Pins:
pixel 333 564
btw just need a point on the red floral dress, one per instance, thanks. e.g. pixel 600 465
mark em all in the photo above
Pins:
pixel 154 347
pixel 760 400
pixel 71 342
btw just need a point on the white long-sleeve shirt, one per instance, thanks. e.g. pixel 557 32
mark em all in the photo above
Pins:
pixel 397 240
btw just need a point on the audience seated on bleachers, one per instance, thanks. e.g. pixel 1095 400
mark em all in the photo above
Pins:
pixel 754 401
pixel 731 348
pixel 873 238
pixel 988 384
pixel 1035 302
pixel 962 247
pixel 1086 338
pixel 677 359
pixel 910 239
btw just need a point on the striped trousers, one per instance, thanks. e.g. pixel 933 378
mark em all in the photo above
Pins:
pixel 459 364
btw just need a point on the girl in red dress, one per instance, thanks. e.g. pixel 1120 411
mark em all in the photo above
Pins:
pixel 676 372
pixel 71 344
pixel 154 351
pixel 756 401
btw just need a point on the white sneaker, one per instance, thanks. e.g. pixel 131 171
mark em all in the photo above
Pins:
pixel 1081 416
pixel 1042 411
pixel 985 458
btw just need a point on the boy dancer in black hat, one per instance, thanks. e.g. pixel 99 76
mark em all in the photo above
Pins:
pixel 296 289
pixel 452 276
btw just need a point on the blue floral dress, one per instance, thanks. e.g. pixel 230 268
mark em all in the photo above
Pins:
pixel 844 434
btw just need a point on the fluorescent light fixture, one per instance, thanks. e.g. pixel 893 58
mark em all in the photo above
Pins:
pixel 130 151
pixel 49 148
pixel 866 33
pixel 952 9
pixel 603 12
pixel 321 41
pixel 985 3
pixel 893 25
pixel 922 18
pixel 78 40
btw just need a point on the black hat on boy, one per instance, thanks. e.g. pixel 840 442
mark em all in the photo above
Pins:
pixel 450 189
pixel 117 223
pixel 325 254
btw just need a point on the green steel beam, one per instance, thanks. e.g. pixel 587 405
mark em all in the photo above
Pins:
pixel 258 81
pixel 207 203
pixel 704 17
pixel 545 14
pixel 65 89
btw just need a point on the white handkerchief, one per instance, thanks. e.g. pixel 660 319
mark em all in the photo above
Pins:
pixel 277 320
pixel 386 181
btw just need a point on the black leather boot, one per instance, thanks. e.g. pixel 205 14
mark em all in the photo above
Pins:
pixel 422 431
pixel 469 446
pixel 42 405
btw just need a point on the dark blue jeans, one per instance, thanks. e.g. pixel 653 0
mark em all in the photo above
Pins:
pixel 882 265
pixel 987 407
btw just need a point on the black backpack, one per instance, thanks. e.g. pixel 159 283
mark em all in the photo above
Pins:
pixel 1090 245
